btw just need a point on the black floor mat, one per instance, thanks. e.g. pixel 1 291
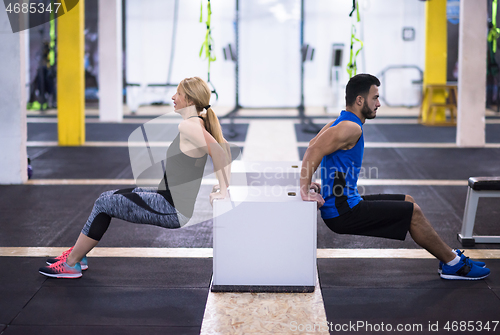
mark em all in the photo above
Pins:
pixel 121 294
pixel 408 133
pixel 122 131
pixel 427 163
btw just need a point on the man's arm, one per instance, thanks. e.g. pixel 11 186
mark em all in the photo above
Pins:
pixel 340 137
pixel 327 126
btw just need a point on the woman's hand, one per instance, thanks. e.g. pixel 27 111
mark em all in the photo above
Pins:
pixel 216 195
pixel 216 188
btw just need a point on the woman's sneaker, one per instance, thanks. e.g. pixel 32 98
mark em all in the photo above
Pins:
pixel 61 269
pixel 464 270
pixel 459 253
pixel 64 256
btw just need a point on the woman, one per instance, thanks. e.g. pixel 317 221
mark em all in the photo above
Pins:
pixel 171 204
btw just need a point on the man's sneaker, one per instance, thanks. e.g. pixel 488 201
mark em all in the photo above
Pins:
pixel 62 270
pixel 459 253
pixel 464 270
pixel 63 257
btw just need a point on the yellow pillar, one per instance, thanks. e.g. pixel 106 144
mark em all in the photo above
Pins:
pixel 435 53
pixel 70 75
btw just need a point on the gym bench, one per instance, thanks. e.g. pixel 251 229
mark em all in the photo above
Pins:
pixel 487 187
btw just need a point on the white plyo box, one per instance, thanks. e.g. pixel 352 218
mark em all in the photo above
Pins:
pixel 264 236
pixel 265 173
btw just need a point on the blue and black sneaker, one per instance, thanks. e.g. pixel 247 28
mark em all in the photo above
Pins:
pixel 464 270
pixel 459 253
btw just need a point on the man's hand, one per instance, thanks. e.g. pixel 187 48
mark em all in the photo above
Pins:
pixel 313 196
pixel 315 187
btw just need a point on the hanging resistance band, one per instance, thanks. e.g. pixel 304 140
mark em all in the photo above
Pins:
pixel 494 32
pixel 52 33
pixel 352 67
pixel 207 44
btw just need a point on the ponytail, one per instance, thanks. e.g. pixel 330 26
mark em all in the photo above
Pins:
pixel 212 125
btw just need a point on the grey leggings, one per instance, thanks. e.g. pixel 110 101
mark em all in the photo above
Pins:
pixel 137 205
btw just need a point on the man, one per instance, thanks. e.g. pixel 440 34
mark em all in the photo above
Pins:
pixel 339 148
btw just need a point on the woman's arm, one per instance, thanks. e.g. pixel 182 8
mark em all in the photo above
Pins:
pixel 221 165
pixel 195 133
pixel 227 149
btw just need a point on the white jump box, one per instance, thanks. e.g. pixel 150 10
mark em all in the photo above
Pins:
pixel 252 173
pixel 264 240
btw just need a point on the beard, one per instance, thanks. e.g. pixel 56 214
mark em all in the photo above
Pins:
pixel 367 112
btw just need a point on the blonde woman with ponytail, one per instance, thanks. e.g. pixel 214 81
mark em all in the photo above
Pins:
pixel 201 132
pixel 171 205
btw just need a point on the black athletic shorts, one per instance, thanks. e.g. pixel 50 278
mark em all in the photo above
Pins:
pixel 379 215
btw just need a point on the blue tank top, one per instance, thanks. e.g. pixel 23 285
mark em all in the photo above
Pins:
pixel 339 175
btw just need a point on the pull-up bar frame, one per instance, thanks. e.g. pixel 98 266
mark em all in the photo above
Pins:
pixel 306 122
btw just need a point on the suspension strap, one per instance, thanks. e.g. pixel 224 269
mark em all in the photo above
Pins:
pixel 352 67
pixel 494 32
pixel 207 44
pixel 52 33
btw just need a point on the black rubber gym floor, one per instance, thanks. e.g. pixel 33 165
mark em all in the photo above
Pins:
pixel 116 296
pixel 168 295
pixel 380 295
pixel 122 131
pixel 427 163
pixel 407 133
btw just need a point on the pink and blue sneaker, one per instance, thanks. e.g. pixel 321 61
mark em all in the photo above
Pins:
pixel 64 256
pixel 61 269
